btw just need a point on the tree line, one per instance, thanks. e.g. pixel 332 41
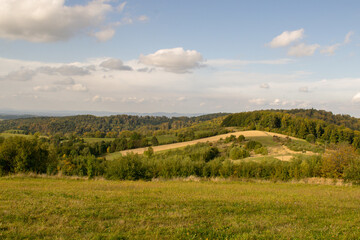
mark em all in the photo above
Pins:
pixel 92 126
pixel 305 128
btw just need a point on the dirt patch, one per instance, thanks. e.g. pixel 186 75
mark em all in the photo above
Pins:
pixel 203 140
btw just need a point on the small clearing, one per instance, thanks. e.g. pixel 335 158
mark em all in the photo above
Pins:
pixel 247 134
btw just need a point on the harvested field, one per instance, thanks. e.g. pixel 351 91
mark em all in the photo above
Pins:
pixel 202 140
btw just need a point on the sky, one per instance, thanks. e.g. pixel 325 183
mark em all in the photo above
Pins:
pixel 179 56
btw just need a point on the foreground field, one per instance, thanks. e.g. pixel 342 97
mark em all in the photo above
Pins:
pixel 84 209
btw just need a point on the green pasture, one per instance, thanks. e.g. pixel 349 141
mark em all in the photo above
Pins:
pixel 43 208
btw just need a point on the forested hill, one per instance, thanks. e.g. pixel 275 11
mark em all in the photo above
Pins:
pixel 100 126
pixel 329 117
pixel 12 116
pixel 290 124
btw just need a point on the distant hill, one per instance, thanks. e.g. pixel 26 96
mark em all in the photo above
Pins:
pixel 11 116
pixel 83 124
pixel 329 117
pixel 311 124
pixel 94 113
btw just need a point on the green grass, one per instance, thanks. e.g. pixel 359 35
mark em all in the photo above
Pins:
pixel 300 145
pixel 113 156
pixel 264 140
pixel 95 140
pixel 257 159
pixel 36 208
pixel 166 139
pixel 7 135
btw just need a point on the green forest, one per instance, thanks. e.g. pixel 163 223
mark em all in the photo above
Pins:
pixel 333 148
pixel 92 126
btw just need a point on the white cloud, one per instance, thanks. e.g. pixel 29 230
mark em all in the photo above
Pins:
pixel 145 69
pixel 276 102
pixel 265 85
pixel 49 21
pixel 286 38
pixel 19 75
pixel 302 50
pixel 348 37
pixel 104 35
pixel 304 89
pixel 100 99
pixel 46 88
pixel 330 50
pixel 181 99
pixel 121 7
pixel 78 88
pixel 115 64
pixel 66 81
pixel 65 70
pixel 257 101
pixel 143 18
pixel 133 100
pixel 125 20
pixel 175 60
pixel 356 98
pixel 234 63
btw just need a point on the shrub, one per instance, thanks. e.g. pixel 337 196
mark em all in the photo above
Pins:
pixel 241 138
pixel 252 145
pixel 311 138
pixel 231 138
pixel 336 162
pixel 262 151
pixel 129 167
pixel 238 153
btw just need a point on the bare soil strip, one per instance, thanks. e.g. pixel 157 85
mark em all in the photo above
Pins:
pixel 253 133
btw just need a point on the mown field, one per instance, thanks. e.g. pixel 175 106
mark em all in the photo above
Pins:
pixel 45 208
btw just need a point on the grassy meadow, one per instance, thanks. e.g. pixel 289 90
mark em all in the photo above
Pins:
pixel 64 208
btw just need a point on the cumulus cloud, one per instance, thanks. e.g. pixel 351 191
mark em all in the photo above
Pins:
pixel 49 21
pixel 145 69
pixel 356 98
pixel 121 7
pixel 265 85
pixel 180 99
pixel 46 88
pixel 66 81
pixel 99 99
pixel 143 18
pixel 104 35
pixel 330 50
pixel 175 60
pixel 235 63
pixel 257 101
pixel 115 64
pixel 77 88
pixel 65 70
pixel 277 102
pixel 301 50
pixel 348 37
pixel 133 100
pixel 304 89
pixel 19 75
pixel 286 38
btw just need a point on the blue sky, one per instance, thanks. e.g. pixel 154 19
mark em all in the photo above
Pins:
pixel 179 56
